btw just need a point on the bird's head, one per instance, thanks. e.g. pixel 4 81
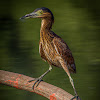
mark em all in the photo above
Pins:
pixel 40 13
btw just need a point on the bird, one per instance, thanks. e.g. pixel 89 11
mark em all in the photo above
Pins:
pixel 52 48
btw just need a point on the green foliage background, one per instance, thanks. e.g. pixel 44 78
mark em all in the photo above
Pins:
pixel 76 21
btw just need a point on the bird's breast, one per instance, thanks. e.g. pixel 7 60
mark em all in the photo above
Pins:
pixel 48 53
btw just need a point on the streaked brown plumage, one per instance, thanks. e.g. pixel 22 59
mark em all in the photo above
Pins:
pixel 52 48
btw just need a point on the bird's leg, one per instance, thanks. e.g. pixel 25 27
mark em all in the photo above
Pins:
pixel 39 79
pixel 64 65
pixel 72 83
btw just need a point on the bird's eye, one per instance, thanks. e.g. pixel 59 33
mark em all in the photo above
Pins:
pixel 41 12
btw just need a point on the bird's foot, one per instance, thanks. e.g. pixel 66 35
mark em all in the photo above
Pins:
pixel 77 98
pixel 37 80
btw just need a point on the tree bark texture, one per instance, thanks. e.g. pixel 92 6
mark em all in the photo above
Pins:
pixel 20 81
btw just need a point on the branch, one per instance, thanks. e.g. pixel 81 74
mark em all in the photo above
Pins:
pixel 20 81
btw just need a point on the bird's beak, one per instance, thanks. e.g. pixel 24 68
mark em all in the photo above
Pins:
pixel 31 15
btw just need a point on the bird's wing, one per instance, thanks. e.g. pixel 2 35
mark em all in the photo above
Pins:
pixel 64 52
pixel 61 47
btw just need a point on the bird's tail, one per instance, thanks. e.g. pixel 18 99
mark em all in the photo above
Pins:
pixel 72 68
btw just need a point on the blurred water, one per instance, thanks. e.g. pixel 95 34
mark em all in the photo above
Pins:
pixel 77 24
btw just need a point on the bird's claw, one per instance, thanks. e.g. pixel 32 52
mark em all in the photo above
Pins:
pixel 38 80
pixel 77 98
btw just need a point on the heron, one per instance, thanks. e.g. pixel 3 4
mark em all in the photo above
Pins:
pixel 52 48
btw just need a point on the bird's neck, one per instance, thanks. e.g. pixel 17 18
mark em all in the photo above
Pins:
pixel 46 24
